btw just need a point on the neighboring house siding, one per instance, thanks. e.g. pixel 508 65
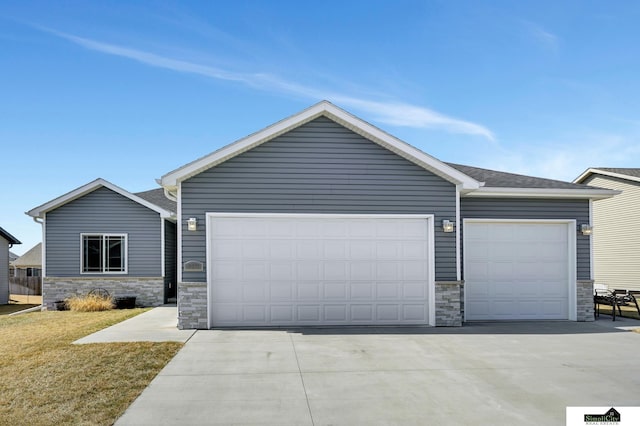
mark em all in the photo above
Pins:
pixel 616 234
pixel 102 211
pixel 319 167
pixel 514 208
pixel 4 271
pixel 170 242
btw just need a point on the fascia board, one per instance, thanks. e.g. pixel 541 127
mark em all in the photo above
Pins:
pixel 592 194
pixel 171 179
pixel 593 171
pixel 88 188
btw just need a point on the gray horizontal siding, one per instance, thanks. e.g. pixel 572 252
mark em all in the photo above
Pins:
pixel 320 167
pixel 515 208
pixel 103 211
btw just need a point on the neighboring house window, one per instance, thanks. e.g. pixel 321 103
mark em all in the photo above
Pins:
pixel 104 253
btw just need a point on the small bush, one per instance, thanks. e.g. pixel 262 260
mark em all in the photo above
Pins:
pixel 90 303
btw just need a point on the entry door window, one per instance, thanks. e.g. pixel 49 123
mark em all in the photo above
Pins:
pixel 104 253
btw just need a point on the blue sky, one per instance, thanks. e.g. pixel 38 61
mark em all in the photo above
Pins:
pixel 129 91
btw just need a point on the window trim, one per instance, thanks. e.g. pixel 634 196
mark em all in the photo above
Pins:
pixel 103 236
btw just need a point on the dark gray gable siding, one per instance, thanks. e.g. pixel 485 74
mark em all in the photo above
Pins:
pixel 515 208
pixel 319 167
pixel 103 211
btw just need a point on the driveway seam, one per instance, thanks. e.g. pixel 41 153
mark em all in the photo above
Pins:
pixel 302 379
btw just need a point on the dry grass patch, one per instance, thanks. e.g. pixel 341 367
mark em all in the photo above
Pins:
pixel 47 380
pixel 90 303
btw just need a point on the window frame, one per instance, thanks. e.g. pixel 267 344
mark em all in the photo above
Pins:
pixel 103 237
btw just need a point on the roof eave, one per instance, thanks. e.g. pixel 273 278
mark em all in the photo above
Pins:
pixel 591 194
pixel 359 126
pixel 88 188
pixel 595 171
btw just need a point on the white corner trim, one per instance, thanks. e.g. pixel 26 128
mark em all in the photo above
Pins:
pixel 88 188
pixel 179 236
pixel 587 193
pixel 171 179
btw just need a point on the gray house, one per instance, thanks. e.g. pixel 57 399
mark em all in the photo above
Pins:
pixel 101 236
pixel 324 219
pixel 616 227
pixel 6 242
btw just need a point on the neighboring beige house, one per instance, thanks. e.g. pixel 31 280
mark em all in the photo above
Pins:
pixel 6 242
pixel 616 227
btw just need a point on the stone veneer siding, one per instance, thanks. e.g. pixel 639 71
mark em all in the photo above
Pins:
pixel 584 300
pixel 192 306
pixel 149 291
pixel 449 303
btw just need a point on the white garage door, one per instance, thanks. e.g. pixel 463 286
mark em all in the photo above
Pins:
pixel 317 270
pixel 516 270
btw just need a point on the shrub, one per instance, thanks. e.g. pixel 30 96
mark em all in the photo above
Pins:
pixel 90 303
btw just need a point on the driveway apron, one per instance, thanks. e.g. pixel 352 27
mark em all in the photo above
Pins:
pixel 483 373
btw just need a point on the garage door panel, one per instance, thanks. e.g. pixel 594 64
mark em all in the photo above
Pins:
pixel 318 271
pixel 516 270
pixel 308 290
pixel 362 291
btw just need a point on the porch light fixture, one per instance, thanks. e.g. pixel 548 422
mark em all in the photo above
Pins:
pixel 192 224
pixel 447 226
pixel 586 229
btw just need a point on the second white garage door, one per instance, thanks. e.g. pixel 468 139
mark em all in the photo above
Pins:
pixel 517 270
pixel 267 270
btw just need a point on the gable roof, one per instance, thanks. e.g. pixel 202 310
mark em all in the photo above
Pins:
pixel 12 256
pixel 631 174
pixel 340 116
pixel 31 259
pixel 502 184
pixel 7 236
pixel 157 197
pixel 90 187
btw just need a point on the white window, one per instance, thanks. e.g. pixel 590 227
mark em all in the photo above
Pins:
pixel 104 253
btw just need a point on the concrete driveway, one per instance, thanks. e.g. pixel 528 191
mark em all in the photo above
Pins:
pixel 483 374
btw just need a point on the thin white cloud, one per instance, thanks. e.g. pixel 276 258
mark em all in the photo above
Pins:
pixel 542 36
pixel 394 113
pixel 563 161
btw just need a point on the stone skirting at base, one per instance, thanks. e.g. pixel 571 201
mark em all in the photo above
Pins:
pixel 584 300
pixel 449 303
pixel 149 291
pixel 192 306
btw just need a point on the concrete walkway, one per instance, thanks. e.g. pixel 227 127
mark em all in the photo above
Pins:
pixel 523 373
pixel 157 325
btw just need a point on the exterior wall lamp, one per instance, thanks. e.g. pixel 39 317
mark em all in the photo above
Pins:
pixel 192 224
pixel 447 226
pixel 586 229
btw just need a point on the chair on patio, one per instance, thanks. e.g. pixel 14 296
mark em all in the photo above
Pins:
pixel 606 297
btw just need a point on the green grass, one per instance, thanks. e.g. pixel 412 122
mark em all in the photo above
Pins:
pixel 14 307
pixel 47 380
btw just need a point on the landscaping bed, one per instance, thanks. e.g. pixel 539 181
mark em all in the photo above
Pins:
pixel 47 380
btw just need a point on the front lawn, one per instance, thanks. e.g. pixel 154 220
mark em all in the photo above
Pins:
pixel 47 380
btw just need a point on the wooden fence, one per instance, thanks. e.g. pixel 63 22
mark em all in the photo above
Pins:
pixel 31 286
